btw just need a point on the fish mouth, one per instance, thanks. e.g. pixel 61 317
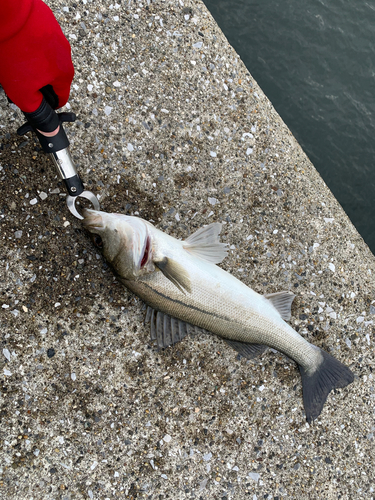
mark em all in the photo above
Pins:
pixel 146 252
pixel 92 221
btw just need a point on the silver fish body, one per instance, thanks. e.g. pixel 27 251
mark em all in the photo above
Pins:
pixel 181 280
pixel 221 304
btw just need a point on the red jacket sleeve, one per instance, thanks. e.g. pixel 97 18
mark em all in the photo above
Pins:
pixel 33 53
pixel 13 15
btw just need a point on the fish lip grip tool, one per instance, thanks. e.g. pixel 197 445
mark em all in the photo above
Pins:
pixel 57 147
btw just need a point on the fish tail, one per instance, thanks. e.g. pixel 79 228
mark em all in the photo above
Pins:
pixel 330 374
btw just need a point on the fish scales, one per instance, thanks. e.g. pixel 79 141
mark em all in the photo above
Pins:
pixel 214 305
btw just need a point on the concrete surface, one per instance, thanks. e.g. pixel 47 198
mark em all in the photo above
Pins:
pixel 174 128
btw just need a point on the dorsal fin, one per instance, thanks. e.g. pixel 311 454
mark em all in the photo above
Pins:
pixel 282 302
pixel 165 329
pixel 246 349
pixel 206 245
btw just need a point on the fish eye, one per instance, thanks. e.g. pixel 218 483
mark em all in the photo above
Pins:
pixel 98 242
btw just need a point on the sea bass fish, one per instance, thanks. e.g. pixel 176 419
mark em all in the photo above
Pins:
pixel 183 286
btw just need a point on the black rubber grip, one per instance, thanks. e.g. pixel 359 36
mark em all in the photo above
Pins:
pixel 47 120
pixel 44 118
pixel 55 143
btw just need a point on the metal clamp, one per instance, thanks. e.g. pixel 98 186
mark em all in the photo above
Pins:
pixel 68 172
pixel 71 200
pixel 57 146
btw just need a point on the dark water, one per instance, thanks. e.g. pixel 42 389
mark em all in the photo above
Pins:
pixel 316 62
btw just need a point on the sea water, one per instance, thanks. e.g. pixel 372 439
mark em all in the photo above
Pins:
pixel 315 61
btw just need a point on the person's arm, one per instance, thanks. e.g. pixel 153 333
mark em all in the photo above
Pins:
pixel 34 53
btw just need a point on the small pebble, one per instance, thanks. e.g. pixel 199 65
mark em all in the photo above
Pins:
pixel 18 234
pixel 6 353
pixel 51 352
pixel 254 475
pixel 213 201
pixel 203 484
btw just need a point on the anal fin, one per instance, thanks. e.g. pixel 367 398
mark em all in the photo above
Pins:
pixel 282 302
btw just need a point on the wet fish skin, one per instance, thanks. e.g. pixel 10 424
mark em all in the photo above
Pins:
pixel 181 279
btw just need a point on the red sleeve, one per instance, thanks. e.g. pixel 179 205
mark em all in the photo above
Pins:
pixel 13 16
pixel 33 53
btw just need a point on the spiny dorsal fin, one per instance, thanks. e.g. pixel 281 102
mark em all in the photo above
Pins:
pixel 206 245
pixel 165 329
pixel 247 350
pixel 175 273
pixel 282 302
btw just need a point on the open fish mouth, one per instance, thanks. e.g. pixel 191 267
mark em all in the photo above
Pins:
pixel 146 253
pixel 92 220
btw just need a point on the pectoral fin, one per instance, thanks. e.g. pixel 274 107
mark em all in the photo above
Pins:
pixel 175 273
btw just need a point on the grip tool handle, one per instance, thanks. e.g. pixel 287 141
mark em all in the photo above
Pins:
pixel 45 119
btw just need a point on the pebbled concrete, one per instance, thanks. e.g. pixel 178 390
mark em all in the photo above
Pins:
pixel 171 126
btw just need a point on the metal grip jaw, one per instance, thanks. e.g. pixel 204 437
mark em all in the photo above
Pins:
pixel 57 146
pixel 67 170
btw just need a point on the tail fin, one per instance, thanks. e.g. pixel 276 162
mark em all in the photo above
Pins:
pixel 331 374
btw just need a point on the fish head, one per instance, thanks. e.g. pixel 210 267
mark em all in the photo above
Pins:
pixel 125 242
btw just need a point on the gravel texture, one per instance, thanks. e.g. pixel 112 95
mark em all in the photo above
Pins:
pixel 171 126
